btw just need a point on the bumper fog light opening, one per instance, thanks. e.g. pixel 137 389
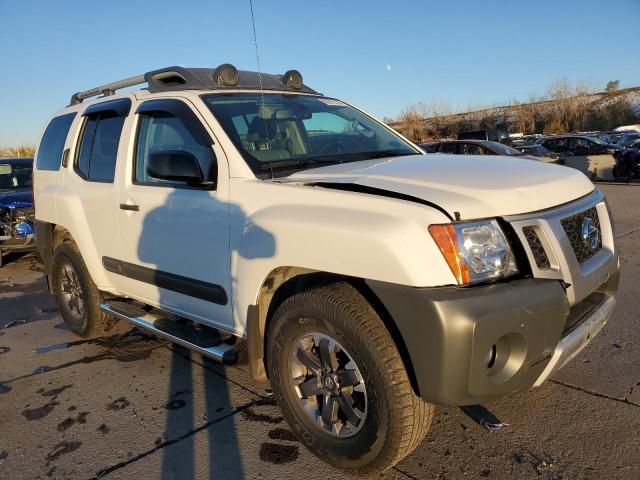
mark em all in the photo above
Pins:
pixel 490 359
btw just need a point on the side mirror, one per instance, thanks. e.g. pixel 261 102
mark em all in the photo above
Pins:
pixel 175 165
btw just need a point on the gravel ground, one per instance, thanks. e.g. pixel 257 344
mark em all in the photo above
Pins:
pixel 137 407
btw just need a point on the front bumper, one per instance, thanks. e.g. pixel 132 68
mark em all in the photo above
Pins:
pixel 465 346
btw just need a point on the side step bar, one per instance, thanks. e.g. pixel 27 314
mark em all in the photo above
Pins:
pixel 204 340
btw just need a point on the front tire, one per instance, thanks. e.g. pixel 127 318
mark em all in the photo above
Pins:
pixel 340 381
pixel 77 296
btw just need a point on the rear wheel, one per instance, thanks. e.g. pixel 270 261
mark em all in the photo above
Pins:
pixel 77 296
pixel 339 379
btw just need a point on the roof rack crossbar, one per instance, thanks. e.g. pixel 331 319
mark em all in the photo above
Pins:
pixel 108 89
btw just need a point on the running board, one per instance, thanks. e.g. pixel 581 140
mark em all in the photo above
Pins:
pixel 203 340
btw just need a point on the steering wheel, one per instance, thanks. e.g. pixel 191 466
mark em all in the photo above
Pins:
pixel 338 147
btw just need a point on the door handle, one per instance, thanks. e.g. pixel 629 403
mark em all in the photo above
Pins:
pixel 126 206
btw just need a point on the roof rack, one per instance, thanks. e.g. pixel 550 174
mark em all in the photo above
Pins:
pixel 180 78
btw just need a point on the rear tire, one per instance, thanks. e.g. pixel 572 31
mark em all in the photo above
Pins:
pixel 77 296
pixel 390 421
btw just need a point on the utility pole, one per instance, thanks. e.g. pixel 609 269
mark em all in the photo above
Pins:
pixel 18 150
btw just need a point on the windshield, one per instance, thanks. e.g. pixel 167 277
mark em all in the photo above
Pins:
pixel 279 132
pixel 14 176
pixel 501 149
pixel 628 140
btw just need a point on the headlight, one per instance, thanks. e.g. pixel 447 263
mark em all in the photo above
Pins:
pixel 475 251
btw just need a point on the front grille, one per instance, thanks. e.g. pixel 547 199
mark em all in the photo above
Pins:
pixel 539 255
pixel 584 248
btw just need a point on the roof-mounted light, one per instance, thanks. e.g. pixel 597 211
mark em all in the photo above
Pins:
pixel 226 75
pixel 292 79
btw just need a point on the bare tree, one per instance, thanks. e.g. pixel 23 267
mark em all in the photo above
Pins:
pixel 18 151
pixel 411 124
pixel 612 86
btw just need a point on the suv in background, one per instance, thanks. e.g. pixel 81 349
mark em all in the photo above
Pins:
pixel 578 145
pixel 16 206
pixel 366 281
pixel 474 147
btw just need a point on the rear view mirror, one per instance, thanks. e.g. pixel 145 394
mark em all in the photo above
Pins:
pixel 175 165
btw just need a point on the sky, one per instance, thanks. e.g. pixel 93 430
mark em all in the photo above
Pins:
pixel 380 56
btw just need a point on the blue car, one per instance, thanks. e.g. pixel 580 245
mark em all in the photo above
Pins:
pixel 16 206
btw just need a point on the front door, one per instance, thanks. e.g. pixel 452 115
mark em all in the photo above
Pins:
pixel 174 235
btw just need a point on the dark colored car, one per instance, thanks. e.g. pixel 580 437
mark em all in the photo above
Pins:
pixel 627 164
pixel 536 151
pixel 628 139
pixel 16 205
pixel 490 135
pixel 578 145
pixel 473 147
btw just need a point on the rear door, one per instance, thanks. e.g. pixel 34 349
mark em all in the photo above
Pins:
pixel 86 203
pixel 579 146
pixel 175 236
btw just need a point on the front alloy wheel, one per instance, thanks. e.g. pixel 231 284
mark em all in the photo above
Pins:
pixel 328 384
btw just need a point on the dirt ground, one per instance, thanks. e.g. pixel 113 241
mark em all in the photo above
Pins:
pixel 133 406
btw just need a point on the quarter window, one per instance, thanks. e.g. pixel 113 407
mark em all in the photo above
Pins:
pixel 52 143
pixel 99 146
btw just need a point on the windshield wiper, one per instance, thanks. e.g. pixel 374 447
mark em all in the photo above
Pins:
pixel 388 154
pixel 303 162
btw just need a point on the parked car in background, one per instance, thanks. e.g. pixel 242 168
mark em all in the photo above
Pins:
pixel 602 136
pixel 628 128
pixel 491 135
pixel 615 137
pixel 538 151
pixel 16 205
pixel 525 140
pixel 590 155
pixel 474 147
pixel 627 139
pixel 627 165
pixel 578 145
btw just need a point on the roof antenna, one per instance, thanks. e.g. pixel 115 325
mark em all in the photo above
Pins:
pixel 262 106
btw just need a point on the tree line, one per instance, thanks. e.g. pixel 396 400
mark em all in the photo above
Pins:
pixel 565 107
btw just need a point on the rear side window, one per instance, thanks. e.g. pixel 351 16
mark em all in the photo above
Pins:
pixel 52 143
pixel 98 150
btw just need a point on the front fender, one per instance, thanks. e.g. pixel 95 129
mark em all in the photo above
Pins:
pixel 344 233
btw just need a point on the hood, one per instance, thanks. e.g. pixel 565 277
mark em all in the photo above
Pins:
pixel 475 186
pixel 16 198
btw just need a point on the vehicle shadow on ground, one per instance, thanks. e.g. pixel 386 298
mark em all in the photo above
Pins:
pixel 178 459
pixel 24 301
pixel 191 215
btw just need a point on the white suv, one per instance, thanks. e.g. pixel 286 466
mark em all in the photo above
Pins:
pixel 366 280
